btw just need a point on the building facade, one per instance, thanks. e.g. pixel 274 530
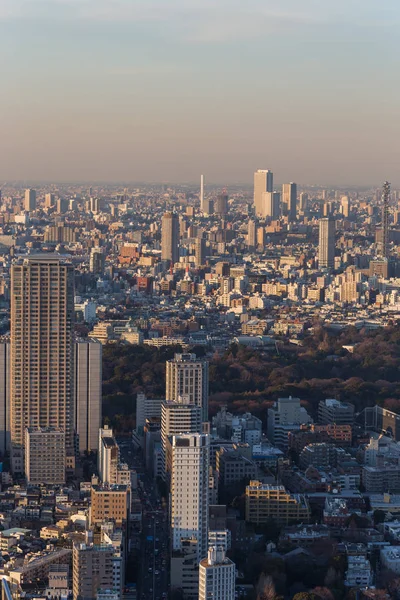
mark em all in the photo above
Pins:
pixel 45 459
pixel 187 381
pixel 87 396
pixel 42 313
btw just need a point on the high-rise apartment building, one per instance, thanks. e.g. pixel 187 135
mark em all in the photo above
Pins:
pixel 4 396
pixel 187 381
pixel 87 393
pixel 177 418
pixel 263 182
pixel 303 201
pixel 30 200
pixel 96 261
pixel 326 249
pixel 92 570
pixel 45 459
pixel 170 237
pixel 42 357
pixel 345 206
pixel 217 576
pixel 289 199
pixel 108 456
pixel 189 509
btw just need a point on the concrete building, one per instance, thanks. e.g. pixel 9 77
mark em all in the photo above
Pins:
pixel 96 261
pixel 221 204
pixel 286 416
pixel 289 199
pixel 390 558
pixel 271 205
pixel 326 250
pixel 110 503
pixel 42 313
pixel 252 234
pixel 332 411
pixel 45 455
pixel 108 456
pixel 4 396
pixel 320 455
pixel 263 182
pixel 265 502
pixel 170 237
pixel 381 479
pixel 92 570
pixel 189 509
pixel 88 393
pixel 187 381
pixel 177 418
pixel 146 408
pixel 217 576
pixel 30 200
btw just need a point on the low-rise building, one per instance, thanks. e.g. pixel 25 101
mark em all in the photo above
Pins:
pixel 265 502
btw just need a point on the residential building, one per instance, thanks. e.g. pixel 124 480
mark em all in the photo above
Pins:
pixel 146 408
pixel 189 509
pixel 289 199
pixel 187 381
pixel 326 251
pixel 265 502
pixel 92 570
pixel 5 355
pixel 177 418
pixel 88 393
pixel 217 576
pixel 45 460
pixel 42 312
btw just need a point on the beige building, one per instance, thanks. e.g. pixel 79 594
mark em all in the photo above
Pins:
pixel 289 200
pixel 170 237
pixel 92 570
pixel 30 200
pixel 109 503
pixel 42 313
pixel 265 502
pixel 326 249
pixel 87 393
pixel 45 459
pixel 263 182
pixel 187 381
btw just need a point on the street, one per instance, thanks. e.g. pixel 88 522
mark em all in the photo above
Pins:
pixel 153 571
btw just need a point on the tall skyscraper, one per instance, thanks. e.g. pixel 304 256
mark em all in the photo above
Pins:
pixel 202 192
pixel 189 508
pixel 252 234
pixel 49 200
pixel 177 418
pixel 4 396
pixel 303 201
pixel 271 205
pixel 96 261
pixel 263 182
pixel 326 250
pixel 289 199
pixel 87 393
pixel 199 251
pixel 217 576
pixel 221 204
pixel 187 381
pixel 170 237
pixel 42 314
pixel 30 200
pixel 345 206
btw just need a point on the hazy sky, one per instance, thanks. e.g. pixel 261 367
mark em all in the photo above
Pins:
pixel 163 90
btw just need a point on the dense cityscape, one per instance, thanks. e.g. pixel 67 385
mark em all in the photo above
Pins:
pixel 199 391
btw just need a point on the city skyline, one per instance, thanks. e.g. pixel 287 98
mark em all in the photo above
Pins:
pixel 132 91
